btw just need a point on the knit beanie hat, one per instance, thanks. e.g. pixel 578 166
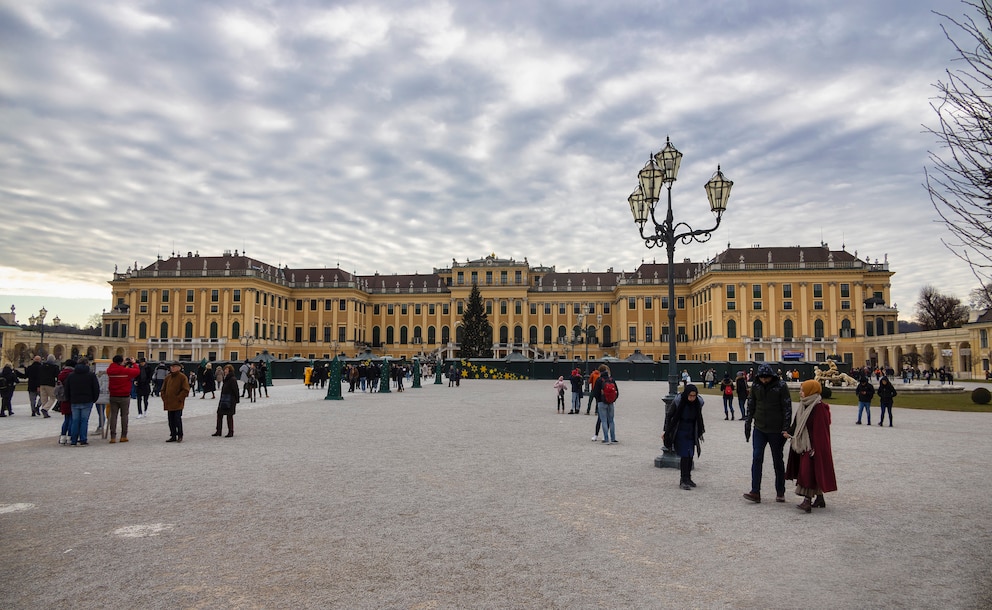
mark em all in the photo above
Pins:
pixel 810 387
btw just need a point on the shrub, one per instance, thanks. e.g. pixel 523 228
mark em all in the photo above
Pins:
pixel 981 396
pixel 826 392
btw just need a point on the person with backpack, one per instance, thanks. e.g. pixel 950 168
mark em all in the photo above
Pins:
pixel 8 382
pixel 684 430
pixel 727 390
pixel 606 393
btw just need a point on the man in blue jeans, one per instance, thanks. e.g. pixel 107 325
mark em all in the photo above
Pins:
pixel 769 409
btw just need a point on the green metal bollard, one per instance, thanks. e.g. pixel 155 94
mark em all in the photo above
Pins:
pixel 334 386
pixel 384 377
pixel 437 372
pixel 416 373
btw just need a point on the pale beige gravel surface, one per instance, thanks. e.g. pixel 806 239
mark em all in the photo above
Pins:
pixel 483 497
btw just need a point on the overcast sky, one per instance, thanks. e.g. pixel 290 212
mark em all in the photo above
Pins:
pixel 393 136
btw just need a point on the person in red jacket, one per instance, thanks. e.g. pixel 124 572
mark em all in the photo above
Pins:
pixel 121 375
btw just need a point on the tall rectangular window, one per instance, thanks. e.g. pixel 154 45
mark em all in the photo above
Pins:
pixel 189 296
pixel 845 291
pixel 756 291
pixel 648 302
pixel 215 296
pixel 632 334
pixel 731 291
pixel 631 302
pixel 786 291
pixel 817 291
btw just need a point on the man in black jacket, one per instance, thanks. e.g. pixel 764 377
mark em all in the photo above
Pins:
pixel 81 390
pixel 769 409
pixel 33 371
pixel 47 376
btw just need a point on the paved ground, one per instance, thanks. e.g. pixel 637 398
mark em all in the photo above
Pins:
pixel 483 497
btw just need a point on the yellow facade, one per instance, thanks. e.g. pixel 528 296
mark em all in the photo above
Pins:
pixel 745 304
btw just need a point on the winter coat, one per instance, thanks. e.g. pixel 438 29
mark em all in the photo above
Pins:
pixel 597 390
pixel 886 391
pixel 33 372
pixel 175 389
pixel 770 404
pixel 48 372
pixel 230 388
pixel 865 391
pixel 64 406
pixel 673 416
pixel 121 379
pixel 576 380
pixel 815 472
pixel 81 386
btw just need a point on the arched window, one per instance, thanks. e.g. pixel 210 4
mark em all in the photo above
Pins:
pixel 518 334
pixel 431 335
pixel 504 334
pixel 787 331
pixel 818 329
pixel 142 330
pixel 164 331
pixel 879 327
pixel 562 332
pixel 404 335
pixel 188 330
pixel 445 335
pixel 376 336
pixel 418 336
pixel 759 329
pixel 213 330
pixel 607 335
pixel 459 333
pixel 236 330
pixel 532 335
pixel 731 329
pixel 547 334
pixel 845 328
pixel 390 338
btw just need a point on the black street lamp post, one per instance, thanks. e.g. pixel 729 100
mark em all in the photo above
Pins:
pixel 40 321
pixel 662 170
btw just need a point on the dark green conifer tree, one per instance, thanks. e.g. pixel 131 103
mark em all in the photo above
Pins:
pixel 477 340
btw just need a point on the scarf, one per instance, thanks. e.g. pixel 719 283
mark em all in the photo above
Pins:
pixel 800 438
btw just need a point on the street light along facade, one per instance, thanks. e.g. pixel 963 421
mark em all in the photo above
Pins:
pixel 662 169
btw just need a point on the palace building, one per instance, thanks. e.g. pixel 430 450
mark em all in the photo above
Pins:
pixel 746 304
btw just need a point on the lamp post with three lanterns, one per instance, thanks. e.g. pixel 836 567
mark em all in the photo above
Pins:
pixel 39 320
pixel 662 170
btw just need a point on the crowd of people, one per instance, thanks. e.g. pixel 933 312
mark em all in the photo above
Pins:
pixel 74 388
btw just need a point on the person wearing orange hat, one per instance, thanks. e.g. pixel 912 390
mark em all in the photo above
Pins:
pixel 811 459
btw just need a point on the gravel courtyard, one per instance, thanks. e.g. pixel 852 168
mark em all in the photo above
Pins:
pixel 483 496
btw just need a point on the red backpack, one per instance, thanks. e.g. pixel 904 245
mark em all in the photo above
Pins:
pixel 728 390
pixel 610 391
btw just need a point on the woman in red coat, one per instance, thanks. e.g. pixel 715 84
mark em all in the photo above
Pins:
pixel 811 460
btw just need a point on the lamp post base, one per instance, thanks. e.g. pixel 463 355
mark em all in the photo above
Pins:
pixel 667 459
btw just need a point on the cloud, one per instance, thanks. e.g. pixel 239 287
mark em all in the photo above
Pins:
pixel 393 136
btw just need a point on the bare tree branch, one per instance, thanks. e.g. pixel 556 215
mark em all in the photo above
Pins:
pixel 959 180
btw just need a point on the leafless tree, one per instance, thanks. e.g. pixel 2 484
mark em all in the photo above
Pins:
pixel 935 311
pixel 959 179
pixel 981 298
